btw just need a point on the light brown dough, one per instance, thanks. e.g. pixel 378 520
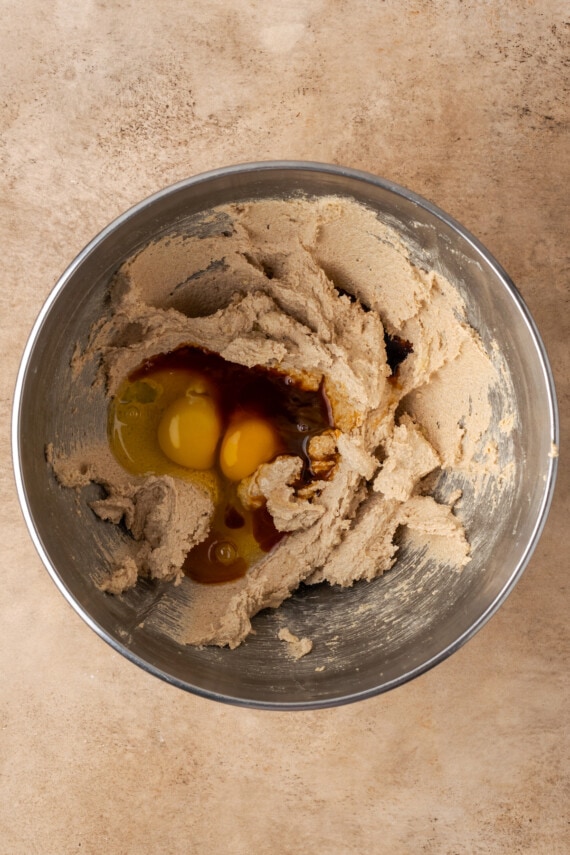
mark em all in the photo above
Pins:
pixel 309 287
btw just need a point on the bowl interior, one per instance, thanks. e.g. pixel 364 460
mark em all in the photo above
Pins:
pixel 368 638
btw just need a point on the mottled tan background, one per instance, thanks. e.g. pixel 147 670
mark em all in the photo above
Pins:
pixel 105 101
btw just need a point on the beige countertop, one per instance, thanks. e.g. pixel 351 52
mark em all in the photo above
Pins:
pixel 466 103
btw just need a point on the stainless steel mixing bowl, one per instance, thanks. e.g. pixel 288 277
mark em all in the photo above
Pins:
pixel 369 638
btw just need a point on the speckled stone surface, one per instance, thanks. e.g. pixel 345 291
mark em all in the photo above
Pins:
pixel 466 103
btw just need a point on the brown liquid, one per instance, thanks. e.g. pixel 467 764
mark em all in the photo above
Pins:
pixel 215 560
pixel 297 414
pixel 397 349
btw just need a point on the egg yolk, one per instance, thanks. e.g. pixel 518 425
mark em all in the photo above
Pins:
pixel 248 442
pixel 190 414
pixel 189 430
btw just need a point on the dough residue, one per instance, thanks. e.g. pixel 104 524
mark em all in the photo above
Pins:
pixel 310 287
pixel 298 647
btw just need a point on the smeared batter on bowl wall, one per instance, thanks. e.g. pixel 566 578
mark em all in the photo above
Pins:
pixel 314 288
